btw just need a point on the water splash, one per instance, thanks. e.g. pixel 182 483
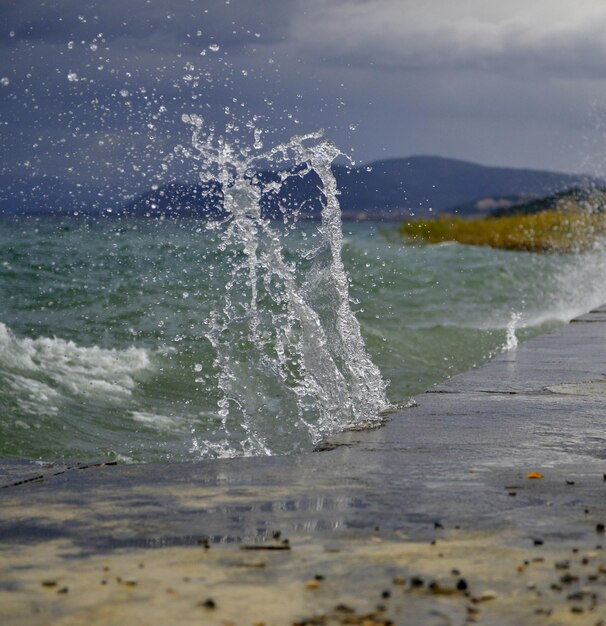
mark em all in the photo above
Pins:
pixel 289 354
pixel 512 341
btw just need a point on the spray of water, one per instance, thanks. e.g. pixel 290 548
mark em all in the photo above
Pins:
pixel 512 341
pixel 287 345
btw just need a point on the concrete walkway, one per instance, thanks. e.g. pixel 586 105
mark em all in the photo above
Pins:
pixel 430 519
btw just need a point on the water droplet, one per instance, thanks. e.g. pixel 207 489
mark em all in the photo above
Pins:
pixel 198 367
pixel 72 77
pixel 70 45
pixel 4 81
pixel 214 47
pixel 124 93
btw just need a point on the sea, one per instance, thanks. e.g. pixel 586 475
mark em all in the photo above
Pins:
pixel 117 336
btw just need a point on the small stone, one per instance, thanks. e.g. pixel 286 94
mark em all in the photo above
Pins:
pixel 63 590
pixel 570 482
pixel 438 525
pixel 129 582
pixel 534 475
pixel 416 581
pixel 562 564
pixel 49 583
pixel 318 577
pixel 343 608
pixel 577 609
pixel 578 596
pixel 538 542
pixel 568 579
pixel 599 528
pixel 487 595
pixel 386 594
pixel 399 580
pixel 462 585
pixel 312 584
pixel 209 603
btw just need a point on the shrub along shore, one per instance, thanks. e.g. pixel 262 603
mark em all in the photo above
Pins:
pixel 565 222
pixel 548 231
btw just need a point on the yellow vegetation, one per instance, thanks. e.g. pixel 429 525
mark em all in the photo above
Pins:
pixel 547 231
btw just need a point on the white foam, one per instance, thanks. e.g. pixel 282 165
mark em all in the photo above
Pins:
pixel 159 421
pixel 43 371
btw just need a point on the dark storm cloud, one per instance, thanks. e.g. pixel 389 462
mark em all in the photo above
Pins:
pixel 95 90
pixel 492 36
pixel 148 20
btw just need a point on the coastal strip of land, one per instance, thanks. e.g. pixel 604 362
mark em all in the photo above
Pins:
pixel 482 502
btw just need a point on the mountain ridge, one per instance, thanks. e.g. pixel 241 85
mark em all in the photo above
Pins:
pixel 391 188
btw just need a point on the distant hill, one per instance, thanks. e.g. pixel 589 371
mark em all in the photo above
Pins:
pixel 575 200
pixel 420 183
pixel 40 195
pixel 387 189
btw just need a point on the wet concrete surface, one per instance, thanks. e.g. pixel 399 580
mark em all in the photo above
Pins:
pixel 451 469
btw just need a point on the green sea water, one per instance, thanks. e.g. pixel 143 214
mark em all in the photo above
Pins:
pixel 104 349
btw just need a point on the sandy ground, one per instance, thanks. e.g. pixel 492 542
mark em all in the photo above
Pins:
pixel 458 578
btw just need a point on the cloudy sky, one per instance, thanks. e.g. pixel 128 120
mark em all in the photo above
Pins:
pixel 93 91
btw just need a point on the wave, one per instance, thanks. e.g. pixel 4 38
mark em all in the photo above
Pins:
pixel 41 373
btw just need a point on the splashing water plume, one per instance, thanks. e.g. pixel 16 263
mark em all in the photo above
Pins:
pixel 511 342
pixel 286 342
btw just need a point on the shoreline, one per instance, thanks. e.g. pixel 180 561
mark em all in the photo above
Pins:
pixel 441 488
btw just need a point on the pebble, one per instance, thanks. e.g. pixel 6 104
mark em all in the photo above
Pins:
pixel 488 594
pixel 312 584
pixel 209 603
pixel 534 475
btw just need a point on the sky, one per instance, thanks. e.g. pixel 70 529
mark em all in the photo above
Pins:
pixel 94 91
